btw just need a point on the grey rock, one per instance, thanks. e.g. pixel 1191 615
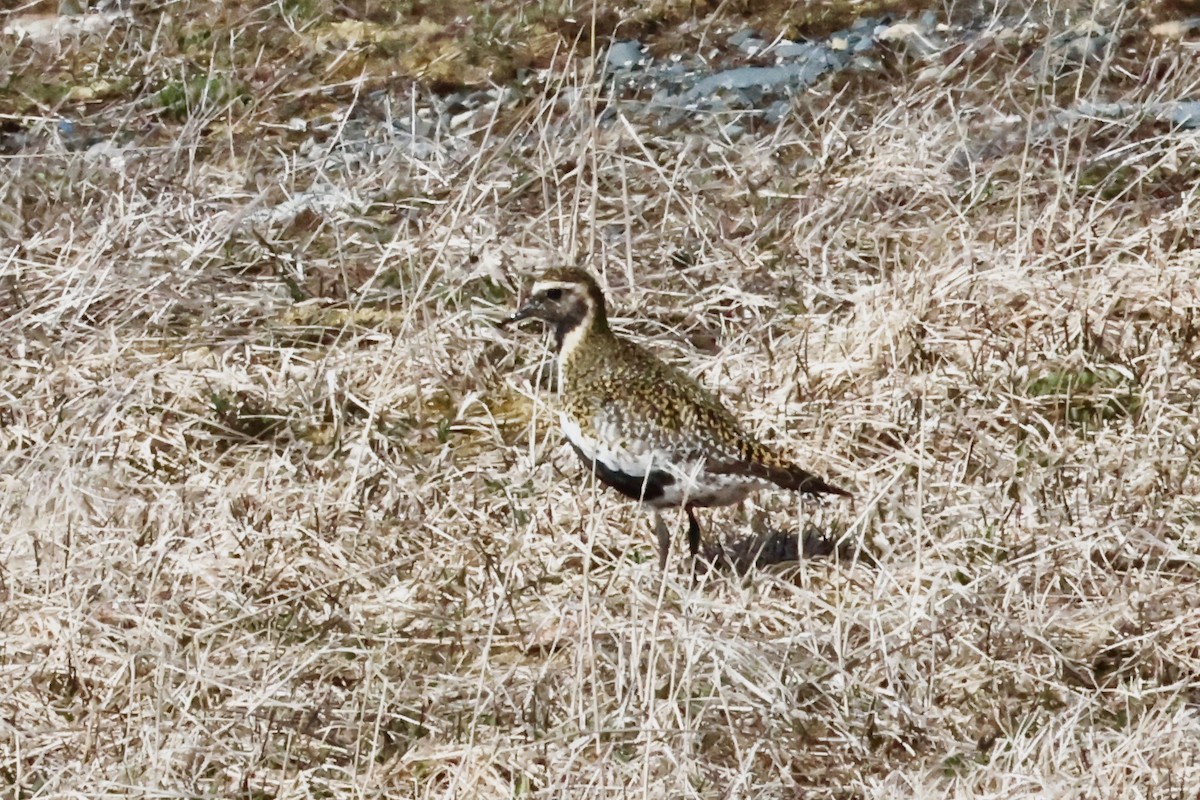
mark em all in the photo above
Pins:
pixel 868 24
pixel 866 64
pixel 750 82
pixel 913 38
pixel 743 78
pixel 1080 45
pixel 627 54
pixel 863 44
pixel 733 130
pixel 753 46
pixel 1185 114
pixel 742 37
pixel 777 111
pixel 801 50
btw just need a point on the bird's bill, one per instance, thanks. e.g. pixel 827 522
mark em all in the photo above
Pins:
pixel 524 312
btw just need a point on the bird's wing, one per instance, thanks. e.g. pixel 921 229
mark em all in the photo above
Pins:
pixel 663 406
pixel 689 424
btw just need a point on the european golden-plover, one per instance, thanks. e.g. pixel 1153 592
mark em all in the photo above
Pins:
pixel 644 427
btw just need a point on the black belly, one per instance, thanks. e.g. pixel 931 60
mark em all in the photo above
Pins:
pixel 646 488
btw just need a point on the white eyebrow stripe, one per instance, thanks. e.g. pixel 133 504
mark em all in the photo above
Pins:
pixel 543 286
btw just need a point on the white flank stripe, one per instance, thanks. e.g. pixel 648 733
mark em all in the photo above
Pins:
pixel 692 483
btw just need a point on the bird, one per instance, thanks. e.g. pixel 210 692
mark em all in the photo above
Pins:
pixel 642 426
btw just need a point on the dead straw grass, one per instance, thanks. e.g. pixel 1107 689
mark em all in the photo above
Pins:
pixel 285 516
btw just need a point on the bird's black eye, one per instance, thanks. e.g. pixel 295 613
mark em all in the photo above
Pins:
pixel 554 295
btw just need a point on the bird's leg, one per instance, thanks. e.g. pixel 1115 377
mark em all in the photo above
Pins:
pixel 693 531
pixel 664 540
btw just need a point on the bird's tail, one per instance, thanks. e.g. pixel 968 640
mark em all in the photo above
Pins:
pixel 761 462
pixel 803 481
pixel 790 476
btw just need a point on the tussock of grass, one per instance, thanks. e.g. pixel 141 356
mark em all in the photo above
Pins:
pixel 285 514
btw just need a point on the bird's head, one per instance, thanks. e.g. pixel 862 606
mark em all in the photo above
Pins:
pixel 566 299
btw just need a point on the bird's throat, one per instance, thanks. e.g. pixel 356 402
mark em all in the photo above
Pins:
pixel 571 333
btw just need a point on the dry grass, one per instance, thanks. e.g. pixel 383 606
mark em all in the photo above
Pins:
pixel 284 514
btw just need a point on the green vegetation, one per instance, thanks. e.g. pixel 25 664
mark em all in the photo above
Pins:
pixel 183 98
pixel 1086 397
